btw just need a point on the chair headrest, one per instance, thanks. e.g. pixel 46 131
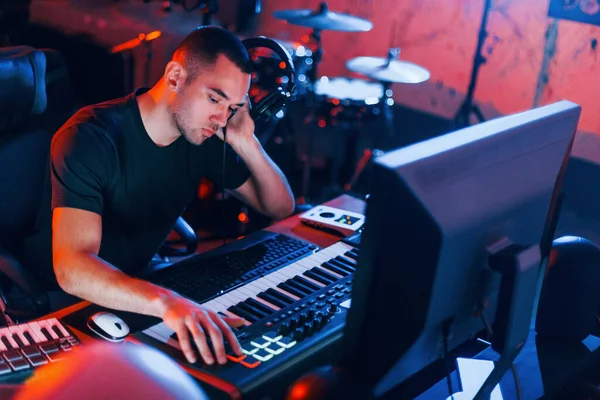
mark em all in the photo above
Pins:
pixel 22 81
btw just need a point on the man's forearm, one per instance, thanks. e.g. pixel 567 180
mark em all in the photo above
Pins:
pixel 99 282
pixel 272 188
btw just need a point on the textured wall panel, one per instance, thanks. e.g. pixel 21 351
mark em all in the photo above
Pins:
pixel 441 35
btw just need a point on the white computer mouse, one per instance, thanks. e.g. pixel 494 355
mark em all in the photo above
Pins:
pixel 108 326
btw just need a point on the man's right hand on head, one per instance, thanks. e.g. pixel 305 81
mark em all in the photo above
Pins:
pixel 191 320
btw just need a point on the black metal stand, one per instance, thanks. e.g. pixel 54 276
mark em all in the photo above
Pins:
pixel 313 75
pixel 520 269
pixel 208 8
pixel 463 116
pixel 388 109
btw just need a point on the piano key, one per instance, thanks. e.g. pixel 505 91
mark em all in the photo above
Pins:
pixel 233 297
pixel 317 283
pixel 330 252
pixel 326 274
pixel 242 313
pixel 299 287
pixel 30 332
pixel 318 278
pixel 287 294
pixel 352 254
pixel 340 262
pixel 217 304
pixel 297 272
pixel 17 339
pixel 281 296
pixel 261 306
pixel 252 310
pixel 57 331
pixel 55 322
pixel 314 286
pixel 272 300
pixel 223 313
pixel 266 303
pixel 7 342
pixel 29 337
pixel 291 290
pixel 222 304
pixel 280 276
pixel 162 333
pixel 335 269
pixel 330 272
pixel 7 339
pixel 349 260
pixel 16 331
pixel 47 330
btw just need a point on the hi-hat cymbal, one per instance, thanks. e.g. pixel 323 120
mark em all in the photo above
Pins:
pixel 385 70
pixel 324 19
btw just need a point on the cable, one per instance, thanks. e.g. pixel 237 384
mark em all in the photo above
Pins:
pixel 446 333
pixel 488 328
pixel 7 320
pixel 223 171
pixel 513 368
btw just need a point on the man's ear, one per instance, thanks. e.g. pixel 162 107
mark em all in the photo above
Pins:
pixel 175 75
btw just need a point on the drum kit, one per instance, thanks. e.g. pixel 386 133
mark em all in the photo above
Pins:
pixel 350 96
pixel 345 101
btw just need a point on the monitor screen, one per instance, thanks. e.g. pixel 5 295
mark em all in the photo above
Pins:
pixel 434 210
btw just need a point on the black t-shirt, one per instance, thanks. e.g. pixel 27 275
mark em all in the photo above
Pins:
pixel 102 160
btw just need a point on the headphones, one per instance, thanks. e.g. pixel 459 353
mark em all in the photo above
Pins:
pixel 273 103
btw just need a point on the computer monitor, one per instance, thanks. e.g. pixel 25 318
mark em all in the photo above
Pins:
pixel 436 211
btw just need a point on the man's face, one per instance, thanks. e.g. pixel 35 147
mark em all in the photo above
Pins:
pixel 201 107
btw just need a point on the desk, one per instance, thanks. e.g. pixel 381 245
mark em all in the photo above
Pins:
pixel 290 226
pixel 542 368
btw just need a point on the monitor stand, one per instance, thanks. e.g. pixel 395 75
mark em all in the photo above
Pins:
pixel 520 269
pixel 472 374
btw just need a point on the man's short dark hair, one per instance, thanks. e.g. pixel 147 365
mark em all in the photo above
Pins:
pixel 205 44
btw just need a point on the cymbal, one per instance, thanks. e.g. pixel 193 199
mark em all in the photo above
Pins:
pixel 384 70
pixel 324 19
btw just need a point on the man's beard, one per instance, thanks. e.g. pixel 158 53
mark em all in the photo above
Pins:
pixel 187 133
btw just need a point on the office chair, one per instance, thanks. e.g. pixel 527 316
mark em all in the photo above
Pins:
pixel 23 157
pixel 185 245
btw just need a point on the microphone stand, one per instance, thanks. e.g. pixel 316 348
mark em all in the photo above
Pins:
pixel 462 117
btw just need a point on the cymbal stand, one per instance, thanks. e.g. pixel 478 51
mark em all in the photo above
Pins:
pixel 387 100
pixel 315 36
pixel 317 57
pixel 462 117
pixel 387 109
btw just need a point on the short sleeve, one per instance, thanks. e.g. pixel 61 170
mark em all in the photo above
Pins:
pixel 80 164
pixel 236 171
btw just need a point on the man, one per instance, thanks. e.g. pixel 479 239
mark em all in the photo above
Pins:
pixel 124 171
